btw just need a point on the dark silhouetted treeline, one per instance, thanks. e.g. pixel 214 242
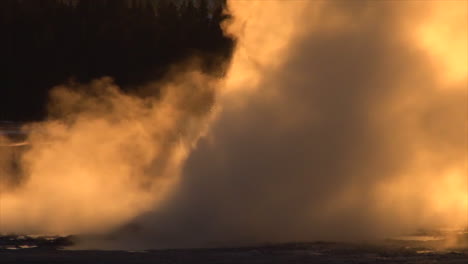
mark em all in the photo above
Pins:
pixel 48 42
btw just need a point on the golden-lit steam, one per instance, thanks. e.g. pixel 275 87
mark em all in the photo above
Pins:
pixel 443 34
pixel 431 190
pixel 104 157
pixel 256 52
pixel 428 117
pixel 338 120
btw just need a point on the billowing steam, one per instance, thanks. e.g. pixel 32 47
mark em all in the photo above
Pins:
pixel 341 120
pixel 337 120
pixel 103 157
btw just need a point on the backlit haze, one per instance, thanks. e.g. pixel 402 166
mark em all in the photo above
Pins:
pixel 337 120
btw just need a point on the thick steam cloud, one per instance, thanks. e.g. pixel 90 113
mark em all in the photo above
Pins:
pixel 341 120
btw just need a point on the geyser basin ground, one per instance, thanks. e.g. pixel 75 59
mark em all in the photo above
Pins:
pixel 388 251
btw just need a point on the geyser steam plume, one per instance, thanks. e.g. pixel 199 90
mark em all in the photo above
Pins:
pixel 340 120
pixel 336 120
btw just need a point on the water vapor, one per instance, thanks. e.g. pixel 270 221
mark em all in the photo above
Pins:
pixel 337 120
pixel 341 120
pixel 103 157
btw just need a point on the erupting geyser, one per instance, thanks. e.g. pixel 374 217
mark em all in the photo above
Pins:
pixel 336 120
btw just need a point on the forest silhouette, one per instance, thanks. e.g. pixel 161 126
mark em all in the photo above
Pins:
pixel 50 42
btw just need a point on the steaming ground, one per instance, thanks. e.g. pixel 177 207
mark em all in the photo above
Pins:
pixel 337 121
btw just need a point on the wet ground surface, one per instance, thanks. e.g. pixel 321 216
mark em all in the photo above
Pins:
pixel 51 250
